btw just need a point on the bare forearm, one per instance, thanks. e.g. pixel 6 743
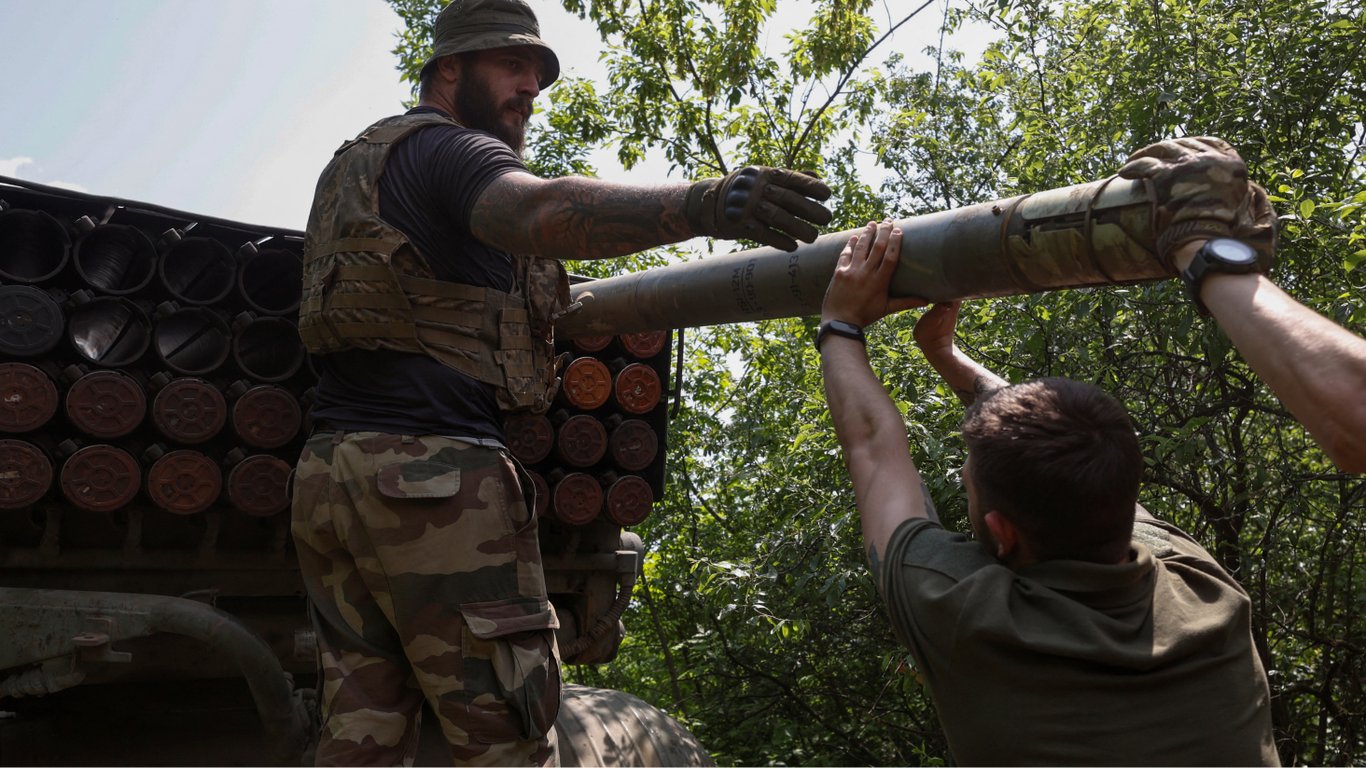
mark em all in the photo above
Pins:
pixel 887 486
pixel 886 483
pixel 967 378
pixel 575 217
pixel 1315 367
pixel 935 335
pixel 859 405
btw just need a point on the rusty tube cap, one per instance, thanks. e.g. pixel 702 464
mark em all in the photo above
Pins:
pixel 577 499
pixel 645 344
pixel 259 486
pixel 100 478
pixel 586 383
pixel 637 388
pixel 530 436
pixel 591 343
pixel 629 500
pixel 189 411
pixel 634 445
pixel 266 416
pixel 28 398
pixel 106 404
pixel 582 441
pixel 184 482
pixel 25 474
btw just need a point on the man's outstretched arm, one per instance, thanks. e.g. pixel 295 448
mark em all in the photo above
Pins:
pixel 1200 190
pixel 576 217
pixel 1316 367
pixel 887 485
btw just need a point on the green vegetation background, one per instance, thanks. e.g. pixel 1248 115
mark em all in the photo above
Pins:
pixel 756 623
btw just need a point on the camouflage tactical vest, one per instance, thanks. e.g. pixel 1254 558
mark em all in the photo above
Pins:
pixel 367 287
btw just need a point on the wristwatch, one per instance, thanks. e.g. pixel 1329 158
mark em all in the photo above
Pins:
pixel 839 328
pixel 1221 255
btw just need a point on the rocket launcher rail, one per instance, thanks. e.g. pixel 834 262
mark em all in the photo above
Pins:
pixel 1098 233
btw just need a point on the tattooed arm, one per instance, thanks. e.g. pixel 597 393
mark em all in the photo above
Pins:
pixel 969 379
pixel 887 485
pixel 575 217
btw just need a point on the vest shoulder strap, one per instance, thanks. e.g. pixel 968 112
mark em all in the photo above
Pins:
pixel 391 130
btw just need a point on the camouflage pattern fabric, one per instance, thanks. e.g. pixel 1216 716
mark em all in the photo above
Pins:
pixel 366 287
pixel 423 568
pixel 1199 189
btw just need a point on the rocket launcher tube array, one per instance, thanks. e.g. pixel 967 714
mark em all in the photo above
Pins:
pixel 1098 233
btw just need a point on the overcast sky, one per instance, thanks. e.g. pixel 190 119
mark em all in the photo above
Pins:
pixel 230 107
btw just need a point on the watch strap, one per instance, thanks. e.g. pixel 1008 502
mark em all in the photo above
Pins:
pixel 1193 276
pixel 839 328
pixel 1202 265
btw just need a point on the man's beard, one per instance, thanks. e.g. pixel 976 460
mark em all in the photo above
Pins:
pixel 477 107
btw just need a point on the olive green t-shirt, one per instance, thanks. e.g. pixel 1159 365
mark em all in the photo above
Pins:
pixel 1149 662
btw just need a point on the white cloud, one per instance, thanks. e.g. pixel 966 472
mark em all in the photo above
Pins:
pixel 9 166
pixel 71 185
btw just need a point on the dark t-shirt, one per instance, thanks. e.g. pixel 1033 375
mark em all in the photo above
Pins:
pixel 430 183
pixel 1148 662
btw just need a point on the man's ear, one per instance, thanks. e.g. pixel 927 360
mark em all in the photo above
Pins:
pixel 449 68
pixel 1004 532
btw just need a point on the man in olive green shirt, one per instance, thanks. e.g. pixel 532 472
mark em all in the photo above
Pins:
pixel 1069 632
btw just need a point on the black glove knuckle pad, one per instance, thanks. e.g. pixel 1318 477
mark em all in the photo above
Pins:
pixel 759 203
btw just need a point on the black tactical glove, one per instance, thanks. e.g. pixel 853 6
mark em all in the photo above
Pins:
pixel 768 205
pixel 1199 190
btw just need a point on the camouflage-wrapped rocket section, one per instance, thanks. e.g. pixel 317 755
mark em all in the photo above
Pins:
pixel 1099 233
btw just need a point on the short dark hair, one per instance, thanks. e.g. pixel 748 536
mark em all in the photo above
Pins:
pixel 1060 460
pixel 424 79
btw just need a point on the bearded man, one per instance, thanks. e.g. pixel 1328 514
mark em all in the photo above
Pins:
pixel 431 283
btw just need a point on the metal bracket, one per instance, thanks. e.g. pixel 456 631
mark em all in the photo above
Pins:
pixel 94 643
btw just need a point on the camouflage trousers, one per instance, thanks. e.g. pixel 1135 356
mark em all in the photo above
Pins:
pixel 423 570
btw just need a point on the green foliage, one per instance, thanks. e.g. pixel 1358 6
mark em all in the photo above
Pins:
pixel 756 623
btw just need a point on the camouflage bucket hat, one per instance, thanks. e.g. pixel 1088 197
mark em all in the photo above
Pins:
pixel 478 25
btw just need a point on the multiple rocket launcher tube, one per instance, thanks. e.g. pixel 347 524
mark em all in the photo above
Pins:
pixel 128 366
pixel 131 368
pixel 592 453
pixel 153 400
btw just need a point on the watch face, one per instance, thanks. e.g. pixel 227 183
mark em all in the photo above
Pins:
pixel 1231 251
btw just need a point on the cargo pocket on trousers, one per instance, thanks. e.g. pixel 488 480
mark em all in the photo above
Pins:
pixel 510 653
pixel 418 479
